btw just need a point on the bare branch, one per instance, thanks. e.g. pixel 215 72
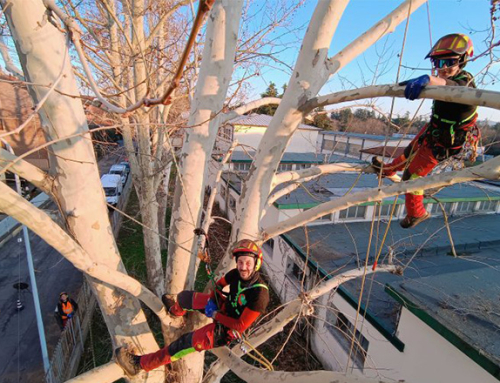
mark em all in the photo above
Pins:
pixel 462 95
pixel 299 306
pixel 107 373
pixel 253 374
pixel 367 39
pixel 9 64
pixel 319 170
pixel 39 222
pixel 29 172
pixel 241 110
pixel 489 169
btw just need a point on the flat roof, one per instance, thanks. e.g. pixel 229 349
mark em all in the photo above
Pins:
pixel 368 136
pixel 296 158
pixel 458 297
pixel 263 120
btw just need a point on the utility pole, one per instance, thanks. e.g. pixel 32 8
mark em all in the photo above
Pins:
pixel 31 268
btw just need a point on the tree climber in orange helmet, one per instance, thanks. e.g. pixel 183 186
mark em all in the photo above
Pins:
pixel 248 298
pixel 451 126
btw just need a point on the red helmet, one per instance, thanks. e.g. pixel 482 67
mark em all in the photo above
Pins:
pixel 455 43
pixel 248 247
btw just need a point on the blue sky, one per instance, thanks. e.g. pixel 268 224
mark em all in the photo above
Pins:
pixel 471 17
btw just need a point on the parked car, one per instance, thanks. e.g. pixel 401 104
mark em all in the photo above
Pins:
pixel 127 166
pixel 120 170
pixel 112 185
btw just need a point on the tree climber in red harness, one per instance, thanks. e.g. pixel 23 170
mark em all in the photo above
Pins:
pixel 451 126
pixel 248 298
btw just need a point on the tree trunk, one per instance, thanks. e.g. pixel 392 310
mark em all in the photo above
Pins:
pixel 214 78
pixel 44 55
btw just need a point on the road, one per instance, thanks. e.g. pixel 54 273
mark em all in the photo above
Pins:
pixel 20 352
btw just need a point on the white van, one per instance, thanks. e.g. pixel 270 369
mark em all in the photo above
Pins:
pixel 112 185
pixel 120 170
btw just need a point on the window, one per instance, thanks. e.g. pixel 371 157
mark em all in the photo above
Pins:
pixel 487 206
pixel 285 167
pixel 296 272
pixel 354 149
pixel 241 166
pixel 226 132
pixel 436 209
pixel 343 330
pixel 232 203
pixel 340 147
pixel 465 207
pixel 270 243
pixel 353 212
pixel 303 166
pixel 328 144
pixel 385 210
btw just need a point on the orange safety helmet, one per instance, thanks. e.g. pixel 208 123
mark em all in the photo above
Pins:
pixel 249 247
pixel 455 43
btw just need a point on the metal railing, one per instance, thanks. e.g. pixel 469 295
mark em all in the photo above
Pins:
pixel 70 347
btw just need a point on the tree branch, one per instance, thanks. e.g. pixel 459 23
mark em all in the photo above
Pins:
pixel 370 37
pixel 298 306
pixel 39 222
pixel 241 110
pixel 9 64
pixel 489 169
pixel 254 375
pixel 318 170
pixel 457 94
pixel 107 373
pixel 29 172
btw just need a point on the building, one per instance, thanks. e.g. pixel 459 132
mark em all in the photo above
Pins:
pixel 249 130
pixel 356 144
pixel 434 323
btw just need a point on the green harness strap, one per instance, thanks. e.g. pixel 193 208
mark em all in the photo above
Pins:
pixel 234 303
pixel 453 123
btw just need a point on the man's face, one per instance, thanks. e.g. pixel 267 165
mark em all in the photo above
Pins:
pixel 245 265
pixel 64 297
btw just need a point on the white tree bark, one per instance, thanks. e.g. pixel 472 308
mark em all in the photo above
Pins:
pixel 252 374
pixel 215 75
pixel 42 224
pixel 309 76
pixel 107 373
pixel 41 49
pixel 29 172
pixel 213 81
pixel 458 94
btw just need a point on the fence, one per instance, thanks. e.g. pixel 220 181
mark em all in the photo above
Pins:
pixel 69 349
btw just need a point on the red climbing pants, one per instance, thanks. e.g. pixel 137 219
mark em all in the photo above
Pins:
pixel 417 161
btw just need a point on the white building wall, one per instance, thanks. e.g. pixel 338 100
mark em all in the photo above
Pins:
pixel 427 357
pixel 303 141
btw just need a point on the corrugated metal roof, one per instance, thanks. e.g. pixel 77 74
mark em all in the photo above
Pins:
pixel 262 120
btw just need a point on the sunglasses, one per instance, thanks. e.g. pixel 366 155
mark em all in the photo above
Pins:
pixel 440 63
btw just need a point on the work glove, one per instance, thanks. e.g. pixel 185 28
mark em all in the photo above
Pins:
pixel 210 309
pixel 415 86
pixel 70 316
